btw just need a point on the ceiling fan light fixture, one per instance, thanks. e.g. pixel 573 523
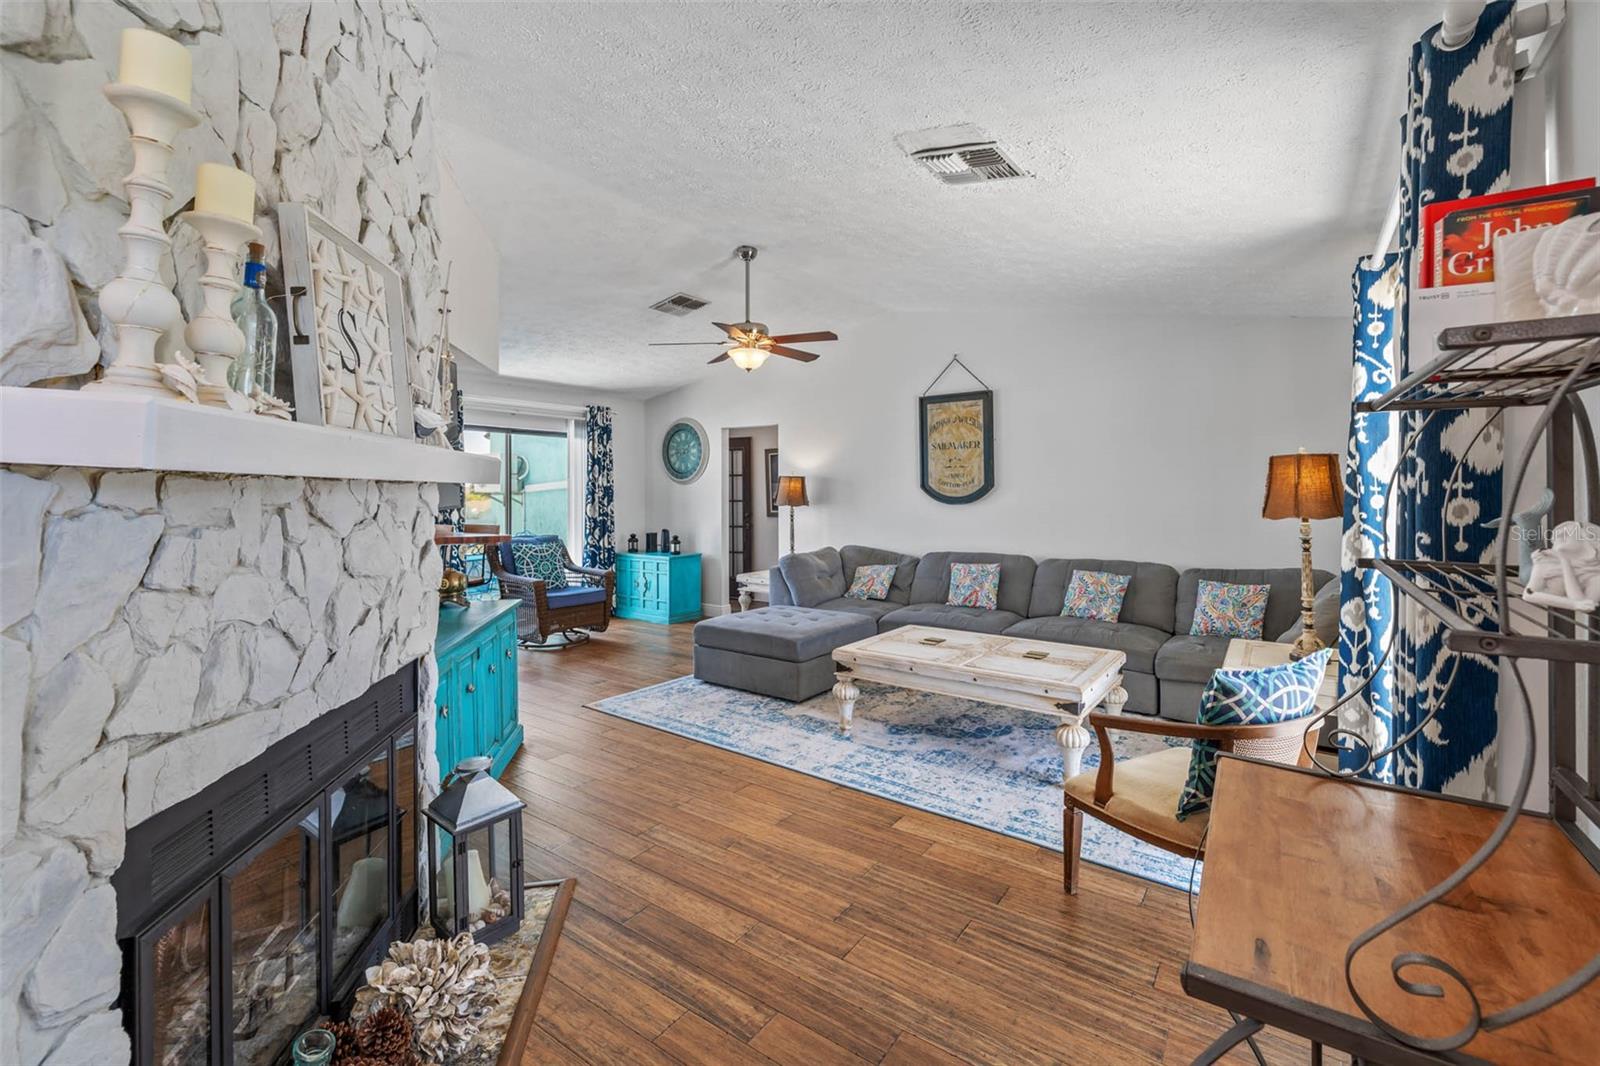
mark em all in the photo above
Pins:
pixel 748 357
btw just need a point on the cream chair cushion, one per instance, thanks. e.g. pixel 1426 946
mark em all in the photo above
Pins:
pixel 1144 796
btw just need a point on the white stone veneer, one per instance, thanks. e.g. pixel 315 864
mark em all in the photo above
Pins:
pixel 156 632
pixel 160 631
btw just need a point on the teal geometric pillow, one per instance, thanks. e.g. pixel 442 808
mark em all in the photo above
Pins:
pixel 1224 610
pixel 544 560
pixel 1248 697
pixel 1093 594
pixel 871 582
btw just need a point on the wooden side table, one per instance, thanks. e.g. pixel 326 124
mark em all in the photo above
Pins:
pixel 1298 864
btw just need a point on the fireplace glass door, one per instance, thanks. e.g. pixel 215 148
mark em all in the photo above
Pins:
pixel 359 813
pixel 178 957
pixel 274 906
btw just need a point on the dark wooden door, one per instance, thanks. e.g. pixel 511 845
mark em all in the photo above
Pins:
pixel 741 514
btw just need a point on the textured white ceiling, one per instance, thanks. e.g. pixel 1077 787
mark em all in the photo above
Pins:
pixel 1185 157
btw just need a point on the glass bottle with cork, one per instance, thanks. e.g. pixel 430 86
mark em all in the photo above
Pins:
pixel 256 368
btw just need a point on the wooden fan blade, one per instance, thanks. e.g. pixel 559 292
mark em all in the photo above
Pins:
pixel 818 335
pixel 718 359
pixel 680 344
pixel 793 353
pixel 733 331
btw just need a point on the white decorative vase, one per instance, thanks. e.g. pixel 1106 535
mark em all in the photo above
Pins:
pixel 136 303
pixel 213 337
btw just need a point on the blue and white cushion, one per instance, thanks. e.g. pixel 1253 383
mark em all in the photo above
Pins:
pixel 1248 697
pixel 974 585
pixel 871 582
pixel 543 559
pixel 1225 610
pixel 1095 594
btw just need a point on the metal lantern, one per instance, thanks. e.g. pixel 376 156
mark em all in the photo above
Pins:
pixel 475 855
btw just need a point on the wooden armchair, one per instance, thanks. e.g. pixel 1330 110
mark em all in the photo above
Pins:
pixel 583 606
pixel 1140 795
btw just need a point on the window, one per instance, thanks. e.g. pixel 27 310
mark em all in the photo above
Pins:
pixel 534 494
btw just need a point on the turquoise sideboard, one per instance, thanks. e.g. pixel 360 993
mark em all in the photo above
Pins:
pixel 658 586
pixel 477 701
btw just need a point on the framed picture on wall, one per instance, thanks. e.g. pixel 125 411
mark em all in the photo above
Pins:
pixel 955 440
pixel 772 482
pixel 347 345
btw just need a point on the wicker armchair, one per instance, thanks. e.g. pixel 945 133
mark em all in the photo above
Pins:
pixel 573 612
pixel 1140 796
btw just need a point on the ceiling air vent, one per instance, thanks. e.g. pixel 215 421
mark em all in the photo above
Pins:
pixel 679 303
pixel 967 164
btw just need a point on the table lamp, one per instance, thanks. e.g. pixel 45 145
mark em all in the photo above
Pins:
pixel 1304 486
pixel 792 494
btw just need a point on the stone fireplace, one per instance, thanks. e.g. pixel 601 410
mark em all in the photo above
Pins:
pixel 256 905
pixel 161 631
pixel 171 608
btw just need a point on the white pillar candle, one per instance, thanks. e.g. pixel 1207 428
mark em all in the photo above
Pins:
pixel 152 61
pixel 220 190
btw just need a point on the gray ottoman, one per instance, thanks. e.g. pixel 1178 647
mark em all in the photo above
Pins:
pixel 785 652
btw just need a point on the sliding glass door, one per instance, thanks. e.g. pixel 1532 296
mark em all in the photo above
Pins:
pixel 534 494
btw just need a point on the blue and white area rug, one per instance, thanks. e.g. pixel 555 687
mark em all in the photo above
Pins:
pixel 989 766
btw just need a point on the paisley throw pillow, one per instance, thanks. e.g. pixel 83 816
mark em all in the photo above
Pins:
pixel 1095 594
pixel 871 582
pixel 1224 610
pixel 974 585
pixel 1248 697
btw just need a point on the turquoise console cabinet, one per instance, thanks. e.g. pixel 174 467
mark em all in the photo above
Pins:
pixel 477 702
pixel 658 586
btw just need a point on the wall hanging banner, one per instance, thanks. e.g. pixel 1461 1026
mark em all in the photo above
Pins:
pixel 955 440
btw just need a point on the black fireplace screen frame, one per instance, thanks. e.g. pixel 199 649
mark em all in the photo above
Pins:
pixel 189 854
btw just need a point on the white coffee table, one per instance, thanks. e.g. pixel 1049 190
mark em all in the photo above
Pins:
pixel 1063 681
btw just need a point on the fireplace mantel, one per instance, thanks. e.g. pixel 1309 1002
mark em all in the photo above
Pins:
pixel 119 431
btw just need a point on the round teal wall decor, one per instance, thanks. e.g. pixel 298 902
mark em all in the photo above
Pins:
pixel 684 451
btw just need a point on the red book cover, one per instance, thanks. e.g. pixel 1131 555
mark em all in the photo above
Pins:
pixel 1433 212
pixel 1465 238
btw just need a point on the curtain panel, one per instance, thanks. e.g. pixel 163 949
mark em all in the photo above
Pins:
pixel 1442 471
pixel 599 490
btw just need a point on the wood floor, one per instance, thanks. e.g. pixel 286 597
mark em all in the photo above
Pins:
pixel 729 911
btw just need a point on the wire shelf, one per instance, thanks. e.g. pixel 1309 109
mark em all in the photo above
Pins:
pixel 1463 597
pixel 1500 364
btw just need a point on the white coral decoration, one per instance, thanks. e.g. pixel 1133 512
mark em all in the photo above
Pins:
pixel 444 986
pixel 269 405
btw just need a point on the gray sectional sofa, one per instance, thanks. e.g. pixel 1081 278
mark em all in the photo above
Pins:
pixel 1166 669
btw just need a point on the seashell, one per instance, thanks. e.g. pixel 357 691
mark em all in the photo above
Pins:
pixel 1566 267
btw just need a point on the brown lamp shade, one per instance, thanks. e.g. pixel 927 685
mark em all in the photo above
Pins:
pixel 1303 486
pixel 792 492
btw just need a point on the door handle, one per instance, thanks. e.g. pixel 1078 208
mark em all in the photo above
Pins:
pixel 444 712
pixel 492 668
pixel 508 653
pixel 471 688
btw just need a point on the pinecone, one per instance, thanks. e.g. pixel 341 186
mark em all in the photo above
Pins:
pixel 383 1039
pixel 386 1036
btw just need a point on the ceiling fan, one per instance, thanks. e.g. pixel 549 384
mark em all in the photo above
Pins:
pixel 749 343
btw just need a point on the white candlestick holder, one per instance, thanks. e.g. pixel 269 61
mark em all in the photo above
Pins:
pixel 213 337
pixel 136 303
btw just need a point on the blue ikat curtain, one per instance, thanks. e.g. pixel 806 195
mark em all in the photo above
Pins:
pixel 1447 483
pixel 599 490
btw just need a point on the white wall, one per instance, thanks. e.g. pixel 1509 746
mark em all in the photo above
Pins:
pixel 1141 438
pixel 468 249
pixel 522 404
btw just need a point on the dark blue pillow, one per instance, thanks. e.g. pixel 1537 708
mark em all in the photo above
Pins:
pixel 1257 696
